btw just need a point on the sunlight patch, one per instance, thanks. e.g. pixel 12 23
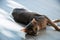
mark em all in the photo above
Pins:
pixel 7 33
pixel 14 4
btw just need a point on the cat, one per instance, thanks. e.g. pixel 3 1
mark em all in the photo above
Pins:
pixel 34 22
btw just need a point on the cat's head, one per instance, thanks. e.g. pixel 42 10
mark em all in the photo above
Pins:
pixel 31 28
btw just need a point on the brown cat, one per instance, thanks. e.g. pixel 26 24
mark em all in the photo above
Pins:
pixel 33 21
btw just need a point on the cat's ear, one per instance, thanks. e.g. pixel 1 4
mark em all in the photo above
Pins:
pixel 24 30
pixel 34 21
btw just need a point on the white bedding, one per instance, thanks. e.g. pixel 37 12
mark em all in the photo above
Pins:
pixel 10 30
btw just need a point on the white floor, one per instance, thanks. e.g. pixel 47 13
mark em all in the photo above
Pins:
pixel 9 30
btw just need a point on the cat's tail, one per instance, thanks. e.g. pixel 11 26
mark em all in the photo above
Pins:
pixel 56 21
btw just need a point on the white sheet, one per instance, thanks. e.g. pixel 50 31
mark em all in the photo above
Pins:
pixel 10 30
